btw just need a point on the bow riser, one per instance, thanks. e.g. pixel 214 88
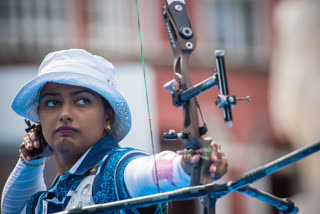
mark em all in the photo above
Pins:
pixel 183 42
pixel 177 21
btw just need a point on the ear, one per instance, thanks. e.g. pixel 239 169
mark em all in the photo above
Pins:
pixel 107 127
pixel 109 116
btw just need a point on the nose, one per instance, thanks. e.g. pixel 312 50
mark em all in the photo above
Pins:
pixel 66 113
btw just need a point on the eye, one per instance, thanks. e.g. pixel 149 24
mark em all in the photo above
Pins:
pixel 52 103
pixel 83 101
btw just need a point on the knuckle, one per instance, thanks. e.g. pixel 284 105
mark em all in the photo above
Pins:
pixel 31 135
pixel 213 144
pixel 22 146
pixel 26 141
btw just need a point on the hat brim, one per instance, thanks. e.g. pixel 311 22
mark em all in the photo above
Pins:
pixel 26 101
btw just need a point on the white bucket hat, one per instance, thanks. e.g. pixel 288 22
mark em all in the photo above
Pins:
pixel 79 68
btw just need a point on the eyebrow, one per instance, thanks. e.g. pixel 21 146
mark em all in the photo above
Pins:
pixel 84 91
pixel 48 94
pixel 53 94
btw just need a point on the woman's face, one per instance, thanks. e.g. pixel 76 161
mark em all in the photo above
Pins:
pixel 73 118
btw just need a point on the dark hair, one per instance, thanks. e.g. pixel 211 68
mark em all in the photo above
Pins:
pixel 107 106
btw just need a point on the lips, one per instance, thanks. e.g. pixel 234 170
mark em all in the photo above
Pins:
pixel 66 130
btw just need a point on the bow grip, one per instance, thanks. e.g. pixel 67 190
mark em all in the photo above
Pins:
pixel 223 85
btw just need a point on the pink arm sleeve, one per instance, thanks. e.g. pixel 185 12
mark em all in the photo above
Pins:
pixel 141 178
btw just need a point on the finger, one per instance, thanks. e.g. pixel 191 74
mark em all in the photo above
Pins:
pixel 188 163
pixel 25 152
pixel 216 155
pixel 193 159
pixel 212 169
pixel 221 169
pixel 27 142
pixel 222 160
pixel 213 155
pixel 214 146
pixel 34 138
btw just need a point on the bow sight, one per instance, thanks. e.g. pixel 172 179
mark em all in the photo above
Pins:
pixel 224 100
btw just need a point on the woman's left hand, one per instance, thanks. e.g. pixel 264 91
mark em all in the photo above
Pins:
pixel 218 166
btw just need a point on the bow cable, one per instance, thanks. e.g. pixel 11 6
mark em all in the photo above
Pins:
pixel 159 208
pixel 146 90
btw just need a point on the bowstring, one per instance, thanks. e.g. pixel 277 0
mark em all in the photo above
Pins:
pixel 147 99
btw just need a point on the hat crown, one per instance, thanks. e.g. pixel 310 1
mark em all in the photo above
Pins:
pixel 78 61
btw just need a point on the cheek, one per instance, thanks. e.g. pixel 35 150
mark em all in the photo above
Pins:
pixel 96 122
pixel 93 129
pixel 100 122
pixel 47 124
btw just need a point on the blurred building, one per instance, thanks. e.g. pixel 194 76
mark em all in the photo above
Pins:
pixel 29 29
pixel 295 85
pixel 32 28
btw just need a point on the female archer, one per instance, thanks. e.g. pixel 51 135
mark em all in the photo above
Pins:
pixel 82 119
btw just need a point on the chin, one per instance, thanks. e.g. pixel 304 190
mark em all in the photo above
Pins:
pixel 64 144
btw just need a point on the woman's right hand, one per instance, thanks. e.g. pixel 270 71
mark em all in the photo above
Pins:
pixel 32 148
